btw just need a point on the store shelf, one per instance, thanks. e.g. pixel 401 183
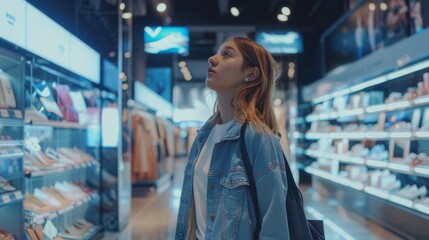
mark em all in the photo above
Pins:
pixel 10 143
pixel 399 167
pixel 417 135
pixel 10 198
pixel 10 115
pixel 12 176
pixel 41 218
pixel 379 193
pixel 62 169
pixel 380 108
pixel 11 155
pixel 57 124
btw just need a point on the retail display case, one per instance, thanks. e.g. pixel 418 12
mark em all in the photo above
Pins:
pixel 366 140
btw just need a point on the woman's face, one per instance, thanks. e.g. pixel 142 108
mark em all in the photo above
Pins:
pixel 225 72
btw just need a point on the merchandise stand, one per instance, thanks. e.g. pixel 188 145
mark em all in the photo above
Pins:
pixel 152 151
pixel 12 190
pixel 366 140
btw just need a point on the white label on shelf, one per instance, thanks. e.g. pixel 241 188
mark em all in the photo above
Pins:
pixel 4 113
pixel 6 198
pixel 18 195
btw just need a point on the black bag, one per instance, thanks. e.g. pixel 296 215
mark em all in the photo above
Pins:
pixel 299 227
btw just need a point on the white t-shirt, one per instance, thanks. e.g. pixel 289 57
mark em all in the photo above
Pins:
pixel 200 178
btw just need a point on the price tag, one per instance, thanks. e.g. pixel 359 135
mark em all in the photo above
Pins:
pixel 4 113
pixel 6 198
pixel 18 114
pixel 18 195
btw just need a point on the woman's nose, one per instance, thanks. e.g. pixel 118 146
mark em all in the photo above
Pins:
pixel 212 61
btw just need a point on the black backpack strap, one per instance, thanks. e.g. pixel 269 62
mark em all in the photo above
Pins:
pixel 252 184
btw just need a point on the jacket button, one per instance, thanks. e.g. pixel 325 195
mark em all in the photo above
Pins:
pixel 212 218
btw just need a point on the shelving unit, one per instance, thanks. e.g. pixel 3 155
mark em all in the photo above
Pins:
pixel 340 128
pixel 11 138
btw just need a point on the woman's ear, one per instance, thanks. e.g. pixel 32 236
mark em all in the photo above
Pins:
pixel 252 74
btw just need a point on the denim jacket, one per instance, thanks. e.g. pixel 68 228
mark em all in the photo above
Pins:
pixel 230 212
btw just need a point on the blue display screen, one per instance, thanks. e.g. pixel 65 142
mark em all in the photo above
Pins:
pixel 280 42
pixel 159 40
pixel 159 80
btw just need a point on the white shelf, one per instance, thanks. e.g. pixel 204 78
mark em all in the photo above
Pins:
pixel 63 169
pixel 376 192
pixel 417 135
pixel 380 108
pixel 393 166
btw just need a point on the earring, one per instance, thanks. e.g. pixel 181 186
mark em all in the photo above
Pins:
pixel 246 80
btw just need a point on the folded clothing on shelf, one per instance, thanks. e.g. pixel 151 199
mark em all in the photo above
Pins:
pixel 379 152
pixel 359 150
pixel 77 230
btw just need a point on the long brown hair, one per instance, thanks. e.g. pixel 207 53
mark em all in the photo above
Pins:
pixel 253 102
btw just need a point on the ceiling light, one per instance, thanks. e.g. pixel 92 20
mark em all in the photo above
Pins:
pixel 122 6
pixel 125 86
pixel 188 78
pixel 282 18
pixel 235 12
pixel 182 64
pixel 127 54
pixel 383 6
pixel 184 70
pixel 286 11
pixel 371 7
pixel 127 15
pixel 112 54
pixel 161 7
pixel 292 65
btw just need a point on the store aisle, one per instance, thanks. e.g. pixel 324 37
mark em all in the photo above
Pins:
pixel 154 216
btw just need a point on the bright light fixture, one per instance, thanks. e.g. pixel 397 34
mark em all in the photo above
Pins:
pixel 383 6
pixel 371 7
pixel 161 7
pixel 282 18
pixel 182 64
pixel 235 12
pixel 122 6
pixel 285 11
pixel 127 15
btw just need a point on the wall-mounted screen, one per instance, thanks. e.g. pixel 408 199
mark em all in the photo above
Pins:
pixel 280 42
pixel 159 40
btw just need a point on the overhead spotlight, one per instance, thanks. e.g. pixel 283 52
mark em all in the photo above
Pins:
pixel 122 6
pixel 127 15
pixel 182 64
pixel 188 77
pixel 112 54
pixel 235 12
pixel 127 54
pixel 371 7
pixel 125 86
pixel 184 70
pixel 285 11
pixel 282 18
pixel 292 65
pixel 161 7
pixel 383 6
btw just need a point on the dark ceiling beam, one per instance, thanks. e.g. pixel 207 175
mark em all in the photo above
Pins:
pixel 223 7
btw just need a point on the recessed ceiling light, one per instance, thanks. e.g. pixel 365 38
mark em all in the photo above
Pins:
pixel 161 7
pixel 282 18
pixel 122 6
pixel 182 64
pixel 235 12
pixel 371 7
pixel 383 6
pixel 286 11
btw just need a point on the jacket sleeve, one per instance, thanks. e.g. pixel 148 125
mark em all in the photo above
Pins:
pixel 271 187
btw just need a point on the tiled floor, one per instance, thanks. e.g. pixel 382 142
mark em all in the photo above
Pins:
pixel 154 217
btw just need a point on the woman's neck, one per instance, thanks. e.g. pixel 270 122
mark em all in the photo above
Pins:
pixel 225 107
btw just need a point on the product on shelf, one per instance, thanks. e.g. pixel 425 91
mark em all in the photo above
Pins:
pixel 80 106
pixel 65 102
pixel 7 98
pixel 4 235
pixel 412 192
pixel 5 186
pixel 62 195
pixel 77 230
pixel 44 101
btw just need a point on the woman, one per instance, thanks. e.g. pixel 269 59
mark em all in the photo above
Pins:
pixel 215 202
